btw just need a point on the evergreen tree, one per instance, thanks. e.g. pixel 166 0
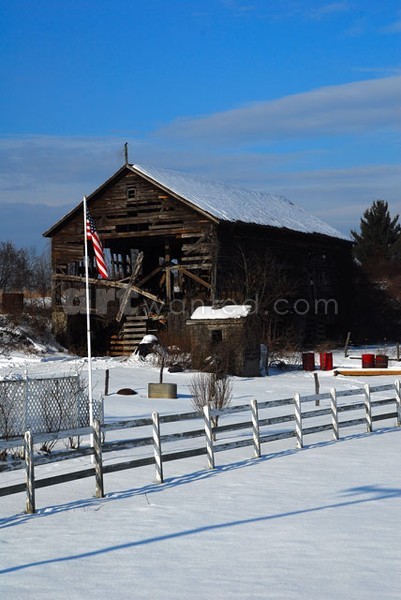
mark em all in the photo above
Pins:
pixel 378 245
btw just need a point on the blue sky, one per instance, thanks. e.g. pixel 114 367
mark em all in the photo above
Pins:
pixel 298 98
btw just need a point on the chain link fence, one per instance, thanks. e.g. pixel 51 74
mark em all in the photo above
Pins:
pixel 44 405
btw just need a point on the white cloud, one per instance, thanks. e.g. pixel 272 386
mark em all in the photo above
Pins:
pixel 394 27
pixel 328 9
pixel 350 108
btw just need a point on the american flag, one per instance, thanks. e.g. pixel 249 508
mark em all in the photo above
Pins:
pixel 91 234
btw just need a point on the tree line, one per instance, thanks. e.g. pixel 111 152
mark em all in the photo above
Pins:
pixel 24 269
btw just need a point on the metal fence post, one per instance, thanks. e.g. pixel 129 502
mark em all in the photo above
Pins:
pixel 97 450
pixel 30 473
pixel 26 401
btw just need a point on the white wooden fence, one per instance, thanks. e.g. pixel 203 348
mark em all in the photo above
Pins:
pixel 258 428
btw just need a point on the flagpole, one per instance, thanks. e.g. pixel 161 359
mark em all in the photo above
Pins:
pixel 88 322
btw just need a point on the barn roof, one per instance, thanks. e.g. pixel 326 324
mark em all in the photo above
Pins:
pixel 231 203
pixel 222 202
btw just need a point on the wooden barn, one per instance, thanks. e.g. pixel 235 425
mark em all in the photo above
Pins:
pixel 173 241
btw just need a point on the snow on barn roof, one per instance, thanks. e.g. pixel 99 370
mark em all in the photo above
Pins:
pixel 230 311
pixel 230 203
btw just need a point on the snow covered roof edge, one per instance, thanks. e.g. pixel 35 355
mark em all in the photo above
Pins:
pixel 230 311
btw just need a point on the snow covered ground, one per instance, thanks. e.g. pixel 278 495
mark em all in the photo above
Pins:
pixel 317 523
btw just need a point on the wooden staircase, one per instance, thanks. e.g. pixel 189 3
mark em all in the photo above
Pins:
pixel 126 341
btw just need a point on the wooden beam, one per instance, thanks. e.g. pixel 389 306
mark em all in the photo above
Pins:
pixel 108 283
pixel 193 276
pixel 167 270
pixel 130 283
pixel 151 274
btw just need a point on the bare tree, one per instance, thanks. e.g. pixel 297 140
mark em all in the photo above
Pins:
pixel 41 273
pixel 209 389
pixel 23 268
pixel 14 267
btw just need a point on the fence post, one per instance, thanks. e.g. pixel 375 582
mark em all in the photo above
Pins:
pixel 106 382
pixel 397 385
pixel 97 453
pixel 334 414
pixel 398 401
pixel 255 428
pixel 30 473
pixel 368 409
pixel 298 420
pixel 26 400
pixel 209 436
pixel 317 388
pixel 157 447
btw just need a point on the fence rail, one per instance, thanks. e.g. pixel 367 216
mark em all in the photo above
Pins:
pixel 255 426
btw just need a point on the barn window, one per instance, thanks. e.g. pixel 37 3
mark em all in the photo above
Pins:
pixel 131 192
pixel 217 336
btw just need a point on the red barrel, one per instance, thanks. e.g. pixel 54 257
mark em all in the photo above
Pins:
pixel 308 361
pixel 368 361
pixel 381 361
pixel 326 361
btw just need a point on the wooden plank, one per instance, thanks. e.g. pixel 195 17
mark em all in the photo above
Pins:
pixel 108 283
pixel 352 422
pixel 129 464
pixel 15 443
pixel 233 427
pixel 351 407
pixel 273 437
pixel 317 429
pixel 150 275
pixel 64 478
pixel 184 454
pixel 384 402
pixel 276 420
pixel 194 277
pixel 12 489
pixel 130 283
pixel 127 444
pixel 183 435
pixel 232 445
pixel 384 416
pixel 316 413
pixel 128 424
pixel 367 372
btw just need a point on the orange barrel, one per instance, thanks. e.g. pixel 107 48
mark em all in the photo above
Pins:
pixel 326 361
pixel 368 361
pixel 308 361
pixel 381 361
